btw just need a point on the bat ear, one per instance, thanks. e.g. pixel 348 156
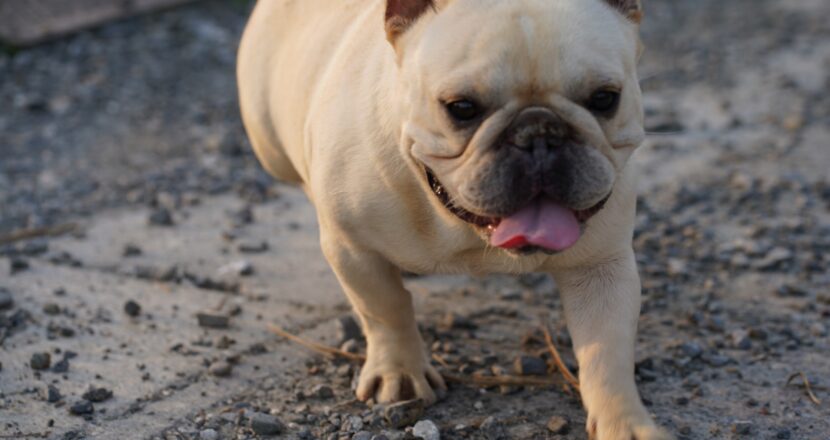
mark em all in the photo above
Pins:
pixel 401 14
pixel 633 9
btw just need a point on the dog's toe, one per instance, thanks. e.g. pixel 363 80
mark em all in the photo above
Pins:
pixel 388 385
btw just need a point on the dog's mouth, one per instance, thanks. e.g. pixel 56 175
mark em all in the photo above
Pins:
pixel 544 225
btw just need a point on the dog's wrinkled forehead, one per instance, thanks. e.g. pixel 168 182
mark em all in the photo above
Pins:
pixel 543 46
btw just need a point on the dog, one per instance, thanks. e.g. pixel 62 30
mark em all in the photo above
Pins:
pixel 462 136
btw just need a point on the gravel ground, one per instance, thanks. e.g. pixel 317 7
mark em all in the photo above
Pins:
pixel 149 321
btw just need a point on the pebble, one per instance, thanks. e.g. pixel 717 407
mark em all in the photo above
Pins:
pixel 453 320
pixel 321 392
pixel 161 217
pixel 774 258
pixel 558 425
pixel 530 366
pixel 362 435
pixel 40 361
pixel 427 430
pixel 691 349
pixel 18 265
pixel 253 247
pixel 742 428
pixel 783 434
pixel 351 424
pixel 220 369
pixel 132 308
pixel 403 414
pixel 212 320
pixel 82 407
pixel 6 300
pixel 240 268
pixel 51 309
pixel 741 340
pixel 131 250
pixel 266 424
pixel 208 434
pixel 97 394
pixel 348 329
pixel 53 394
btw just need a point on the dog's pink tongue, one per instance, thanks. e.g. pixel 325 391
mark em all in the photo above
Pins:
pixel 543 223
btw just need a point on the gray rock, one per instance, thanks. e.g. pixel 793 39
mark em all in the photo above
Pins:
pixel 691 349
pixel 40 361
pixel 742 428
pixel 132 308
pixel 52 394
pixel 246 247
pixel 266 424
pixel 558 425
pixel 6 300
pixel 362 435
pixel 403 414
pixel 427 430
pixel 321 392
pixel 213 320
pixel 530 366
pixel 209 434
pixel 81 408
pixel 220 369
pixel 97 394
pixel 351 424
pixel 161 217
pixel 240 268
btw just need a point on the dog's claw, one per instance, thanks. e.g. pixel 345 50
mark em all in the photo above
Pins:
pixel 389 384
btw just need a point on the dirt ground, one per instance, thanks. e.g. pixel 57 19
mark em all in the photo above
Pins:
pixel 129 134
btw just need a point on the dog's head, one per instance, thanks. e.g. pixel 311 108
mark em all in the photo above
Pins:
pixel 522 113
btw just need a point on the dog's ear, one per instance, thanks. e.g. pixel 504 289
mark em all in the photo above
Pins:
pixel 401 14
pixel 633 9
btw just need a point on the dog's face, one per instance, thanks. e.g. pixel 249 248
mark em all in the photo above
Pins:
pixel 521 112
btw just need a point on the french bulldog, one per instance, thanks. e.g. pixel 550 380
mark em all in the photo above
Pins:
pixel 462 136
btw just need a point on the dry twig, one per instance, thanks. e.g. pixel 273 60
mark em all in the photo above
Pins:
pixel 29 233
pixel 557 360
pixel 807 387
pixel 476 380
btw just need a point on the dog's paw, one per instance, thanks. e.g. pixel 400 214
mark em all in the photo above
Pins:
pixel 636 426
pixel 387 381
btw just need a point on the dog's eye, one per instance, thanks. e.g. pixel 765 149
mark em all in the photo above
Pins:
pixel 463 110
pixel 604 101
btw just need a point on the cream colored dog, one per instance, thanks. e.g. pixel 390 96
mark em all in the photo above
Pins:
pixel 470 136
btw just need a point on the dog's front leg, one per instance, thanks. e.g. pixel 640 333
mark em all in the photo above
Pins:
pixel 397 366
pixel 602 306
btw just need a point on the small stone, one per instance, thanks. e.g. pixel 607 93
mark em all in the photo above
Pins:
pixel 691 349
pixel 455 321
pixel 161 217
pixel 530 366
pixel 240 268
pixel 740 340
pixel 212 320
pixel 40 361
pixel 266 424
pixel 362 435
pixel 52 394
pixel 818 329
pixel 403 414
pixel 717 360
pixel 742 428
pixel 347 329
pixel 783 434
pixel 18 265
pixel 321 392
pixel 427 430
pixel 51 309
pixel 220 369
pixel 774 258
pixel 351 424
pixel 491 429
pixel 253 247
pixel 209 434
pixel 132 308
pixel 558 425
pixel 61 366
pixel 97 395
pixel 131 250
pixel 81 408
pixel 6 300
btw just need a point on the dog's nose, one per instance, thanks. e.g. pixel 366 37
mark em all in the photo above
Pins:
pixel 536 129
